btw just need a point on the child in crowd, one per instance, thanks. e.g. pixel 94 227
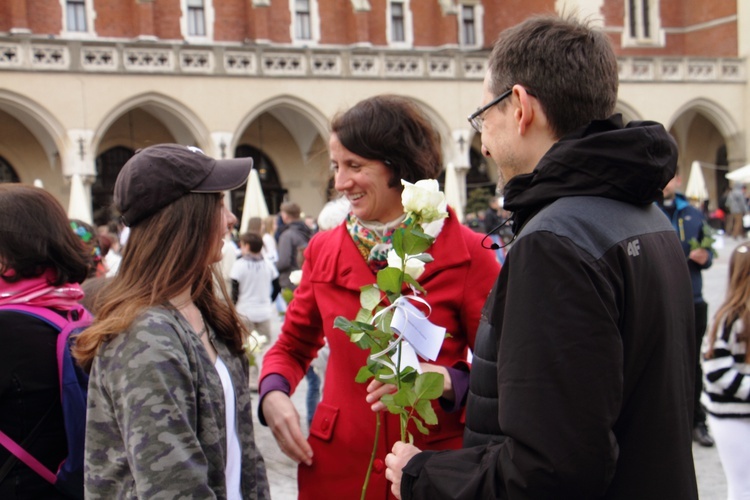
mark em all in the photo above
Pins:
pixel 252 278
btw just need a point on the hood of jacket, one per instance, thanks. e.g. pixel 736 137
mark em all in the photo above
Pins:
pixel 301 227
pixel 630 163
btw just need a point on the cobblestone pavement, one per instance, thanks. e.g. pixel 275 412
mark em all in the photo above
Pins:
pixel 282 472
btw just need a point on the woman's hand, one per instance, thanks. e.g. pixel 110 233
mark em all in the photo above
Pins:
pixel 377 389
pixel 283 419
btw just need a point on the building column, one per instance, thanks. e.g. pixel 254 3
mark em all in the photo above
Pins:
pixel 461 147
pixel 79 171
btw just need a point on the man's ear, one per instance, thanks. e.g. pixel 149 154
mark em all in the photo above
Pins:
pixel 524 112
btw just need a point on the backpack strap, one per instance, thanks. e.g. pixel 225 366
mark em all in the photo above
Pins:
pixel 65 326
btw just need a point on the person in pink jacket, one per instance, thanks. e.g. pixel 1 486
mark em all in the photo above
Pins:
pixel 373 145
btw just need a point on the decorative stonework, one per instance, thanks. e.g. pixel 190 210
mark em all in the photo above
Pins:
pixel 196 61
pixel 240 63
pixel 10 56
pixel 441 67
pixel 286 64
pixel 475 68
pixel 326 65
pixel 50 57
pixel 403 66
pixel 364 65
pixel 152 60
pixel 99 58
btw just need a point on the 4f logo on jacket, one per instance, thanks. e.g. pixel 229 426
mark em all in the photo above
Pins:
pixel 634 248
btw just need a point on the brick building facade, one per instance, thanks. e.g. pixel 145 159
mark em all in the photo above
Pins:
pixel 84 83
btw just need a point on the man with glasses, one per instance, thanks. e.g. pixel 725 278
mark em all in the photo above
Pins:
pixel 581 383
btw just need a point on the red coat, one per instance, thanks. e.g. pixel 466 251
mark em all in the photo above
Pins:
pixel 343 428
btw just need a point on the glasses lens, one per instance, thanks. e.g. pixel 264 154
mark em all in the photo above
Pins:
pixel 476 123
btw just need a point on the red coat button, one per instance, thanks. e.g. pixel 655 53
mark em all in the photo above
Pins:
pixel 325 425
pixel 378 466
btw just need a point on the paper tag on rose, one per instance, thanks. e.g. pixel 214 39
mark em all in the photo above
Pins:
pixel 425 337
pixel 408 357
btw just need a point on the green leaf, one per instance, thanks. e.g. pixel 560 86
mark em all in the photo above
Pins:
pixel 405 397
pixel 420 426
pixel 408 375
pixel 389 280
pixel 416 242
pixel 397 242
pixel 363 316
pixel 424 257
pixel 429 385
pixel 363 375
pixel 425 410
pixel 408 279
pixel 342 323
pixel 370 297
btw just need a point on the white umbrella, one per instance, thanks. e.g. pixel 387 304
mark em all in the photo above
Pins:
pixel 255 203
pixel 79 206
pixel 452 191
pixel 742 175
pixel 696 185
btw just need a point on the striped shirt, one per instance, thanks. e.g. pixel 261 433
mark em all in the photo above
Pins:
pixel 726 376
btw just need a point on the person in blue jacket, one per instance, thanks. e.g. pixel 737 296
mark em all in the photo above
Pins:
pixel 689 223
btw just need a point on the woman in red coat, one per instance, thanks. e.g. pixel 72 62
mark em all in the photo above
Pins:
pixel 373 146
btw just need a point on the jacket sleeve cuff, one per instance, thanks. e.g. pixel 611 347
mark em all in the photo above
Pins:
pixel 271 382
pixel 460 384
pixel 410 473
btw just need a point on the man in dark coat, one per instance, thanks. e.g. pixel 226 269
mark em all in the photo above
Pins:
pixel 582 380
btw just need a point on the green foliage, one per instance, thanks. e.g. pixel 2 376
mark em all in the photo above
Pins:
pixel 477 200
pixel 707 242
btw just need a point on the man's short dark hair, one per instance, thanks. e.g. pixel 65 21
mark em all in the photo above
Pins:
pixel 253 240
pixel 291 209
pixel 569 67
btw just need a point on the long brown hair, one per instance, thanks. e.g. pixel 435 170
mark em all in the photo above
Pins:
pixel 737 303
pixel 165 254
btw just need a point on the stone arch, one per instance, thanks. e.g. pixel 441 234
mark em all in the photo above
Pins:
pixel 704 131
pixel 292 136
pixel 41 124
pixel 180 121
pixel 629 113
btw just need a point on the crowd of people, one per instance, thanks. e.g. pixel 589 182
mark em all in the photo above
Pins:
pixel 574 365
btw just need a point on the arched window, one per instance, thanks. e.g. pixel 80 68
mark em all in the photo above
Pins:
pixel 273 192
pixel 7 174
pixel 108 166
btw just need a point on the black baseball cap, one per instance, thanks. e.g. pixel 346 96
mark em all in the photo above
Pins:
pixel 159 175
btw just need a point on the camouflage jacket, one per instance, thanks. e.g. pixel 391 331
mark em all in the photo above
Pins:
pixel 155 426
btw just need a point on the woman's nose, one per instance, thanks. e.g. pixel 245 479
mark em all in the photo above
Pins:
pixel 341 180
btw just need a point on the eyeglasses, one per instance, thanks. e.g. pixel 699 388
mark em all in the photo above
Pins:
pixel 477 117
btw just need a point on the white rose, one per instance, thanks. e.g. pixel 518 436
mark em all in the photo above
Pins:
pixel 424 199
pixel 295 277
pixel 414 267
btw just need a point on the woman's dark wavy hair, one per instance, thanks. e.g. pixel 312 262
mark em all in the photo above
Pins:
pixel 392 129
pixel 35 235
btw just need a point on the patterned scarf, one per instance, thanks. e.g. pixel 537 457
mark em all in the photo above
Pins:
pixel 38 292
pixel 373 239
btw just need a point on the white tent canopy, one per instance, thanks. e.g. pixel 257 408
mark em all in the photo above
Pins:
pixel 742 175
pixel 696 185
pixel 79 205
pixel 255 203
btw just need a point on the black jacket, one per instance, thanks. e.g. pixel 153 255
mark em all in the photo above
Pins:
pixel 581 385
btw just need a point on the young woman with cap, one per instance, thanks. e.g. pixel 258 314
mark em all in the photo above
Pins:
pixel 169 403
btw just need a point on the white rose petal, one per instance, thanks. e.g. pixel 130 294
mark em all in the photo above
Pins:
pixel 424 199
pixel 414 267
pixel 295 277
